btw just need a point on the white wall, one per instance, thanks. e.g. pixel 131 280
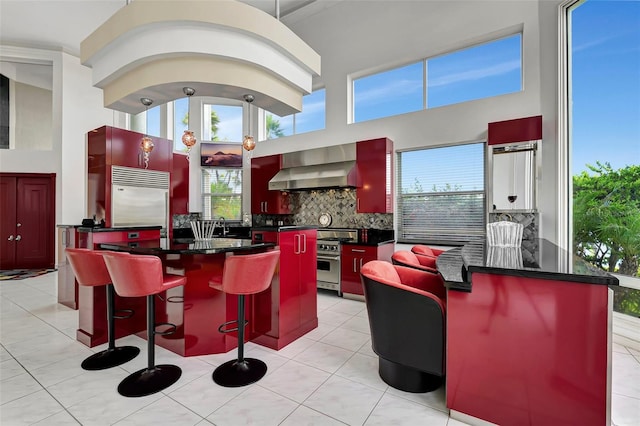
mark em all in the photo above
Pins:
pixel 77 108
pixel 352 37
pixel 355 36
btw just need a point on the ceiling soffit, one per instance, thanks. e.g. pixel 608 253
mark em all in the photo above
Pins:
pixel 226 49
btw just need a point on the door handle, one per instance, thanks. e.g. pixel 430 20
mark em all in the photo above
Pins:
pixel 304 243
pixel 18 224
pixel 18 237
pixel 354 265
pixel 361 264
pixel 10 238
pixel 296 244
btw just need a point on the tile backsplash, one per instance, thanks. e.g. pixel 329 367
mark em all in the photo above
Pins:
pixel 307 206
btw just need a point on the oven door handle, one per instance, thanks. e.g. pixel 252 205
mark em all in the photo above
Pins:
pixel 321 257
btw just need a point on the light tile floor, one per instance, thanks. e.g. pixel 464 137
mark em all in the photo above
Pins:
pixel 328 377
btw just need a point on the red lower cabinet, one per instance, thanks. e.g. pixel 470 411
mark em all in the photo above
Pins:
pixel 288 308
pixel 352 257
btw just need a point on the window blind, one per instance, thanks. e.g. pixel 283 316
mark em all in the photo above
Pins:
pixel 441 195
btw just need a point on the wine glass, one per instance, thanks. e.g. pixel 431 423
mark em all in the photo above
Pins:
pixel 512 199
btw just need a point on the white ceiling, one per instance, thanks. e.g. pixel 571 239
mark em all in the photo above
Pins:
pixel 63 24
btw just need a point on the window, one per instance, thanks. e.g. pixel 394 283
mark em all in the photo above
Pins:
pixel 222 187
pixel 441 195
pixel 389 93
pixel 489 69
pixel 312 117
pixel 222 193
pixel 603 179
pixel 180 123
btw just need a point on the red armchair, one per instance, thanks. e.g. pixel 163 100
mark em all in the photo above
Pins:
pixel 406 310
pixel 427 255
pixel 410 260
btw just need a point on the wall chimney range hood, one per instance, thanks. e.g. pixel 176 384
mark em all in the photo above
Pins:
pixel 328 167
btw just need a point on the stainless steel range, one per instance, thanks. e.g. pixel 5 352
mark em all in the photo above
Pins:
pixel 329 256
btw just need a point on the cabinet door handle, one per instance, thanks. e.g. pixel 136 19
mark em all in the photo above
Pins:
pixel 357 251
pixel 361 264
pixel 296 244
pixel 354 265
pixel 10 238
pixel 358 204
pixel 304 243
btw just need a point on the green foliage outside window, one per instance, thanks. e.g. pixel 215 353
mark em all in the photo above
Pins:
pixel 606 221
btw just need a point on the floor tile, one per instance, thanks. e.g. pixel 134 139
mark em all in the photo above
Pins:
pixel 325 357
pixel 29 409
pixel 109 407
pixel 295 381
pixel 625 411
pixel 306 416
pixel 363 369
pixel 18 386
pixel 256 406
pixel 38 348
pixel 358 323
pixel 163 411
pixel 203 396
pixel 344 400
pixel 10 368
pixel 63 418
pixel 392 410
pixel 625 375
pixel 346 339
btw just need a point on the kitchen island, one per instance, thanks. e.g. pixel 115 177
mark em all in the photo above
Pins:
pixel 528 336
pixel 195 308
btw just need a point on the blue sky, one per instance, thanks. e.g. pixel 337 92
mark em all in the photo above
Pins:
pixel 606 86
pixel 606 83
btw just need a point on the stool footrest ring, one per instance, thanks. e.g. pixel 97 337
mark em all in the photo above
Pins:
pixel 172 328
pixel 128 313
pixel 223 329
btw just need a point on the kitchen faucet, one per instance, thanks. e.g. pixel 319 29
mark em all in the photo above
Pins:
pixel 222 220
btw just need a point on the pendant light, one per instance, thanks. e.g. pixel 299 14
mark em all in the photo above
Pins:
pixel 146 144
pixel 188 139
pixel 248 142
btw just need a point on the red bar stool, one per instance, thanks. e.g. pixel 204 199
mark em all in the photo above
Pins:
pixel 89 268
pixel 242 275
pixel 136 276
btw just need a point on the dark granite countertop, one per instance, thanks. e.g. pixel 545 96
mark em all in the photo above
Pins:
pixel 283 228
pixel 370 242
pixel 538 259
pixel 186 246
pixel 129 228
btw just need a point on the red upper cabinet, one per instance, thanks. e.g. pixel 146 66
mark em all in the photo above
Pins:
pixel 180 185
pixel 375 169
pixel 126 150
pixel 109 146
pixel 264 200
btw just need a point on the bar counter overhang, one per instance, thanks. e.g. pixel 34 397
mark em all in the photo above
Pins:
pixel 195 308
pixel 528 336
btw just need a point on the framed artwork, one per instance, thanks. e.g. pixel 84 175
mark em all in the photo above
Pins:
pixel 215 154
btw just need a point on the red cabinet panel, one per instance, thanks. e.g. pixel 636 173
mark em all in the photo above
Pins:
pixel 375 169
pixel 288 308
pixel 180 184
pixel 352 257
pixel 529 351
pixel 264 200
